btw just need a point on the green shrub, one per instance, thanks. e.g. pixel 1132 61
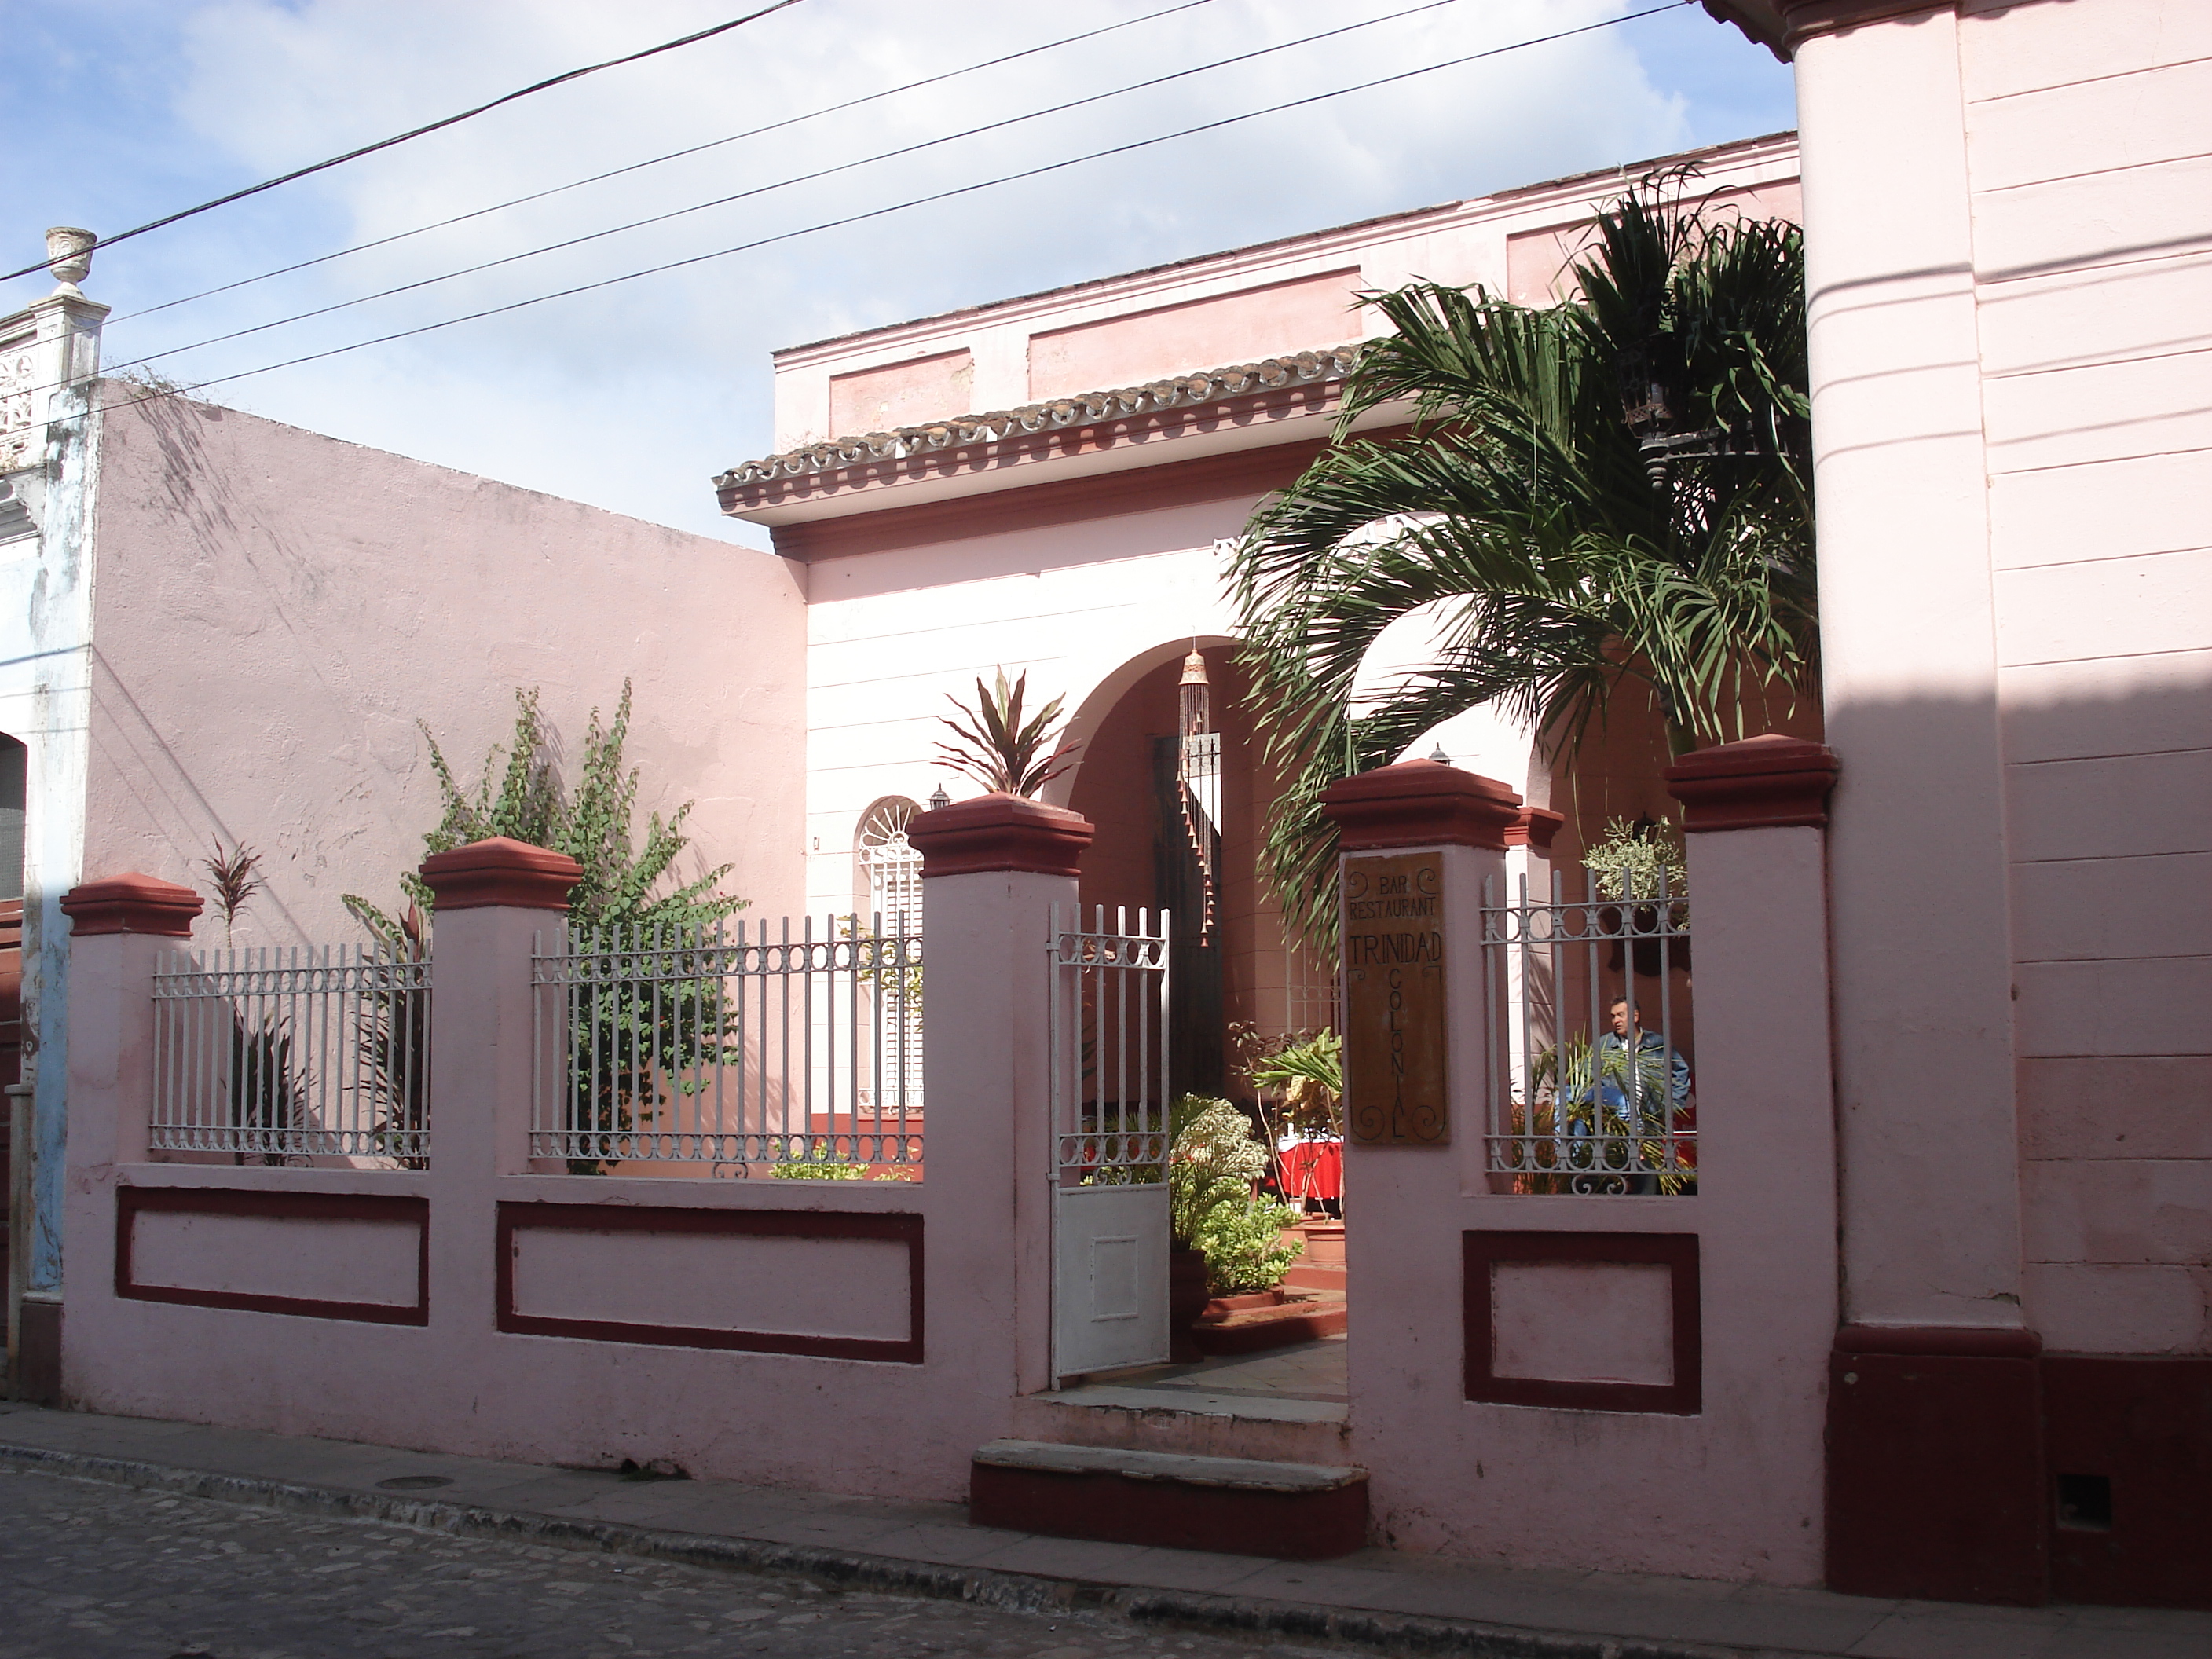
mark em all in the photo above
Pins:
pixel 1243 1246
pixel 818 1164
pixel 1212 1168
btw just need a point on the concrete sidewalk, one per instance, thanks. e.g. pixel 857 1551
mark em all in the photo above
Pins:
pixel 1377 1599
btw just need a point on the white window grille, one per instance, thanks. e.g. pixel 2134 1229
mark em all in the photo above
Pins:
pixel 1311 987
pixel 733 1045
pixel 891 869
pixel 293 1053
pixel 1589 1089
pixel 890 864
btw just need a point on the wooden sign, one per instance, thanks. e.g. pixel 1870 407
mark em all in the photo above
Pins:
pixel 1394 990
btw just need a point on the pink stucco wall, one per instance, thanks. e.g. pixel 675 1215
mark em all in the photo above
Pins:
pixel 2006 241
pixel 1221 308
pixel 1304 312
pixel 274 609
pixel 1733 1491
pixel 456 1381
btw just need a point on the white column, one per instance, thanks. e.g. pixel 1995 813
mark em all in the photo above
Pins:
pixel 49 472
pixel 1916 849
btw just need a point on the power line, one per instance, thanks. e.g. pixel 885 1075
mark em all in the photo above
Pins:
pixel 672 155
pixel 944 195
pixel 417 132
pixel 919 201
pixel 782 183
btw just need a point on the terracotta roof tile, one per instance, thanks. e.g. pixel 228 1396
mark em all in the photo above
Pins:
pixel 1176 391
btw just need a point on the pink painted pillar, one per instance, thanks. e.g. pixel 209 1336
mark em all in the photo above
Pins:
pixel 495 899
pixel 1934 1485
pixel 1910 624
pixel 992 870
pixel 1941 1423
pixel 1403 1204
pixel 118 928
pixel 1755 815
pixel 1634 1381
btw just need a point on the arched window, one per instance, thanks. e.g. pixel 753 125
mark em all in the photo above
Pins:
pixel 889 882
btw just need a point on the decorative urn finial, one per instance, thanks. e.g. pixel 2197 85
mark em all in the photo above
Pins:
pixel 68 256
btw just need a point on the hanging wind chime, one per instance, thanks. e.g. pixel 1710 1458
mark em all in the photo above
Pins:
pixel 1197 774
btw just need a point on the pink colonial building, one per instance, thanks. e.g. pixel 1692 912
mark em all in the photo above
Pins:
pixel 1075 532
pixel 2005 214
pixel 1936 1319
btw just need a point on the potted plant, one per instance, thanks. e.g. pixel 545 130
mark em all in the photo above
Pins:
pixel 1224 1239
pixel 1306 1072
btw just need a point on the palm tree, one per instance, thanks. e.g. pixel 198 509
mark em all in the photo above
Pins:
pixel 1608 497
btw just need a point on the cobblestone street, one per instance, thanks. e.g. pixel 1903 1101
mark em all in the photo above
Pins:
pixel 98 1571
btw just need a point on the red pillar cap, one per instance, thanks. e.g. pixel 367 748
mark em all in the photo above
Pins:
pixel 999 832
pixel 500 872
pixel 1421 803
pixel 1770 782
pixel 131 903
pixel 1534 827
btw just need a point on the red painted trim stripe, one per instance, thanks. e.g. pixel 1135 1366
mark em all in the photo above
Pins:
pixel 899 1227
pixel 131 1202
pixel 1678 1252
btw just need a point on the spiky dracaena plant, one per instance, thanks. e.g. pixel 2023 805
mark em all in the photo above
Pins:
pixel 641 1041
pixel 236 877
pixel 268 1089
pixel 1519 511
pixel 994 745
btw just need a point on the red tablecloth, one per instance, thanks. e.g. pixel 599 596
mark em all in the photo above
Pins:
pixel 1313 1169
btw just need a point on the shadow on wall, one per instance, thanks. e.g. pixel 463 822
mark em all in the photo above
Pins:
pixel 2030 1029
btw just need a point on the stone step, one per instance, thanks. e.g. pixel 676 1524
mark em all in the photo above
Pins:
pixel 1316 1276
pixel 1243 1507
pixel 1279 1326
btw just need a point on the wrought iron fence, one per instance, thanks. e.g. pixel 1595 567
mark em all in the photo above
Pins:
pixel 293 1053
pixel 1589 1090
pixel 751 1054
pixel 1109 1044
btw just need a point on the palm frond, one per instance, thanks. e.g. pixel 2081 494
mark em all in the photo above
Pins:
pixel 1522 512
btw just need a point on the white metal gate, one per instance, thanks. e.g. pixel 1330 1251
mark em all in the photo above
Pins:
pixel 1110 1124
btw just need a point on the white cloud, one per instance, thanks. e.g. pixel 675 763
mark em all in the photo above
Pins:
pixel 631 397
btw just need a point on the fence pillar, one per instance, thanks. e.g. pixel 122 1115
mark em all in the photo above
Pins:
pixel 1401 1201
pixel 1935 1482
pixel 1755 816
pixel 992 870
pixel 493 899
pixel 118 928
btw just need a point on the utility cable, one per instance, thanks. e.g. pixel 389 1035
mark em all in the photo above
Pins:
pixel 919 201
pixel 783 184
pixel 417 132
pixel 672 155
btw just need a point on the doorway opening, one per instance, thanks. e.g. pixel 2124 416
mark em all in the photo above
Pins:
pixel 1173 779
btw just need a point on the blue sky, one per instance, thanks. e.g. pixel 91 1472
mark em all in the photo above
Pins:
pixel 112 111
